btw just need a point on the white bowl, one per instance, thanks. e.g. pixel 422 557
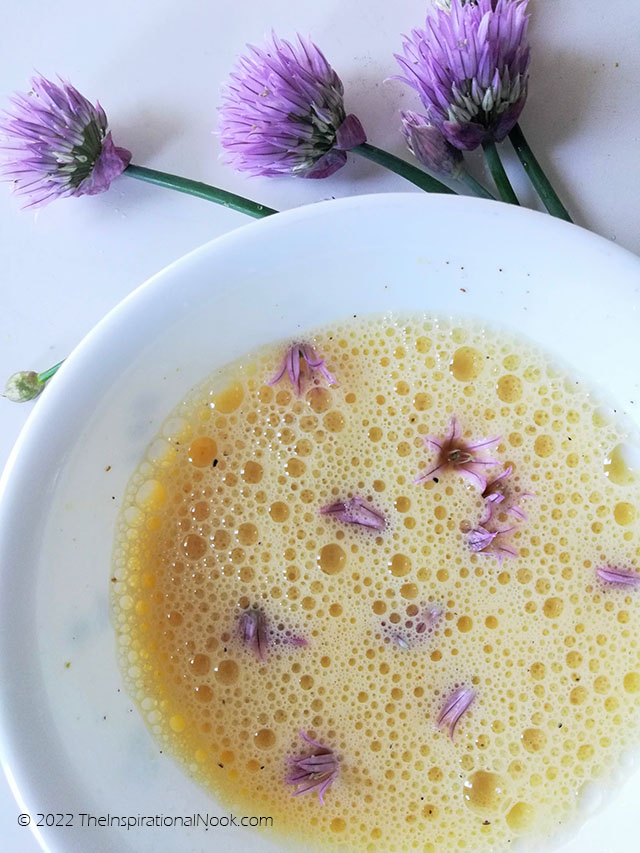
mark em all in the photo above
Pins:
pixel 72 742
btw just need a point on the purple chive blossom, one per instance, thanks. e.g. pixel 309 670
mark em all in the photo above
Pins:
pixel 256 636
pixel 313 772
pixel 494 495
pixel 479 538
pixel 429 146
pixel 57 144
pixel 483 541
pixel 622 577
pixel 355 511
pixel 283 113
pixel 470 67
pixel 497 493
pixel 291 366
pixel 455 453
pixel 454 708
pixel 253 632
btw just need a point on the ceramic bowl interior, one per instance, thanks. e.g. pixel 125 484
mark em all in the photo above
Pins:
pixel 71 739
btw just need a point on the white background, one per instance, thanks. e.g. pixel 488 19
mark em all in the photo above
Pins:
pixel 156 68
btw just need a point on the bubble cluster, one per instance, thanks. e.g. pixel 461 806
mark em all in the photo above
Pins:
pixel 222 516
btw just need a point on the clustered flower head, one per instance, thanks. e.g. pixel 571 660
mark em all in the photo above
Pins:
pixel 58 144
pixel 470 67
pixel 292 367
pixel 455 453
pixel 314 772
pixel 355 511
pixel 283 113
pixel 429 146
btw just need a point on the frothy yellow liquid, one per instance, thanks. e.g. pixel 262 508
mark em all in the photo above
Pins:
pixel 223 515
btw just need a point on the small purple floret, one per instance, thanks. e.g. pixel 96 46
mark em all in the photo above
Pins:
pixel 254 634
pixel 429 146
pixel 622 577
pixel 297 642
pixel 355 511
pixel 499 494
pixel 292 368
pixel 257 637
pixel 313 772
pixel 483 541
pixel 480 538
pixel 454 708
pixel 470 67
pixel 465 458
pixel 58 144
pixel 283 113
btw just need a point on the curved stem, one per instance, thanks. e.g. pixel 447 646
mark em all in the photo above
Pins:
pixel 499 175
pixel 47 374
pixel 200 190
pixel 537 177
pixel 476 188
pixel 401 167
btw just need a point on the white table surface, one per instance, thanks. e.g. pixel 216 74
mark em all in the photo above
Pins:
pixel 156 68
